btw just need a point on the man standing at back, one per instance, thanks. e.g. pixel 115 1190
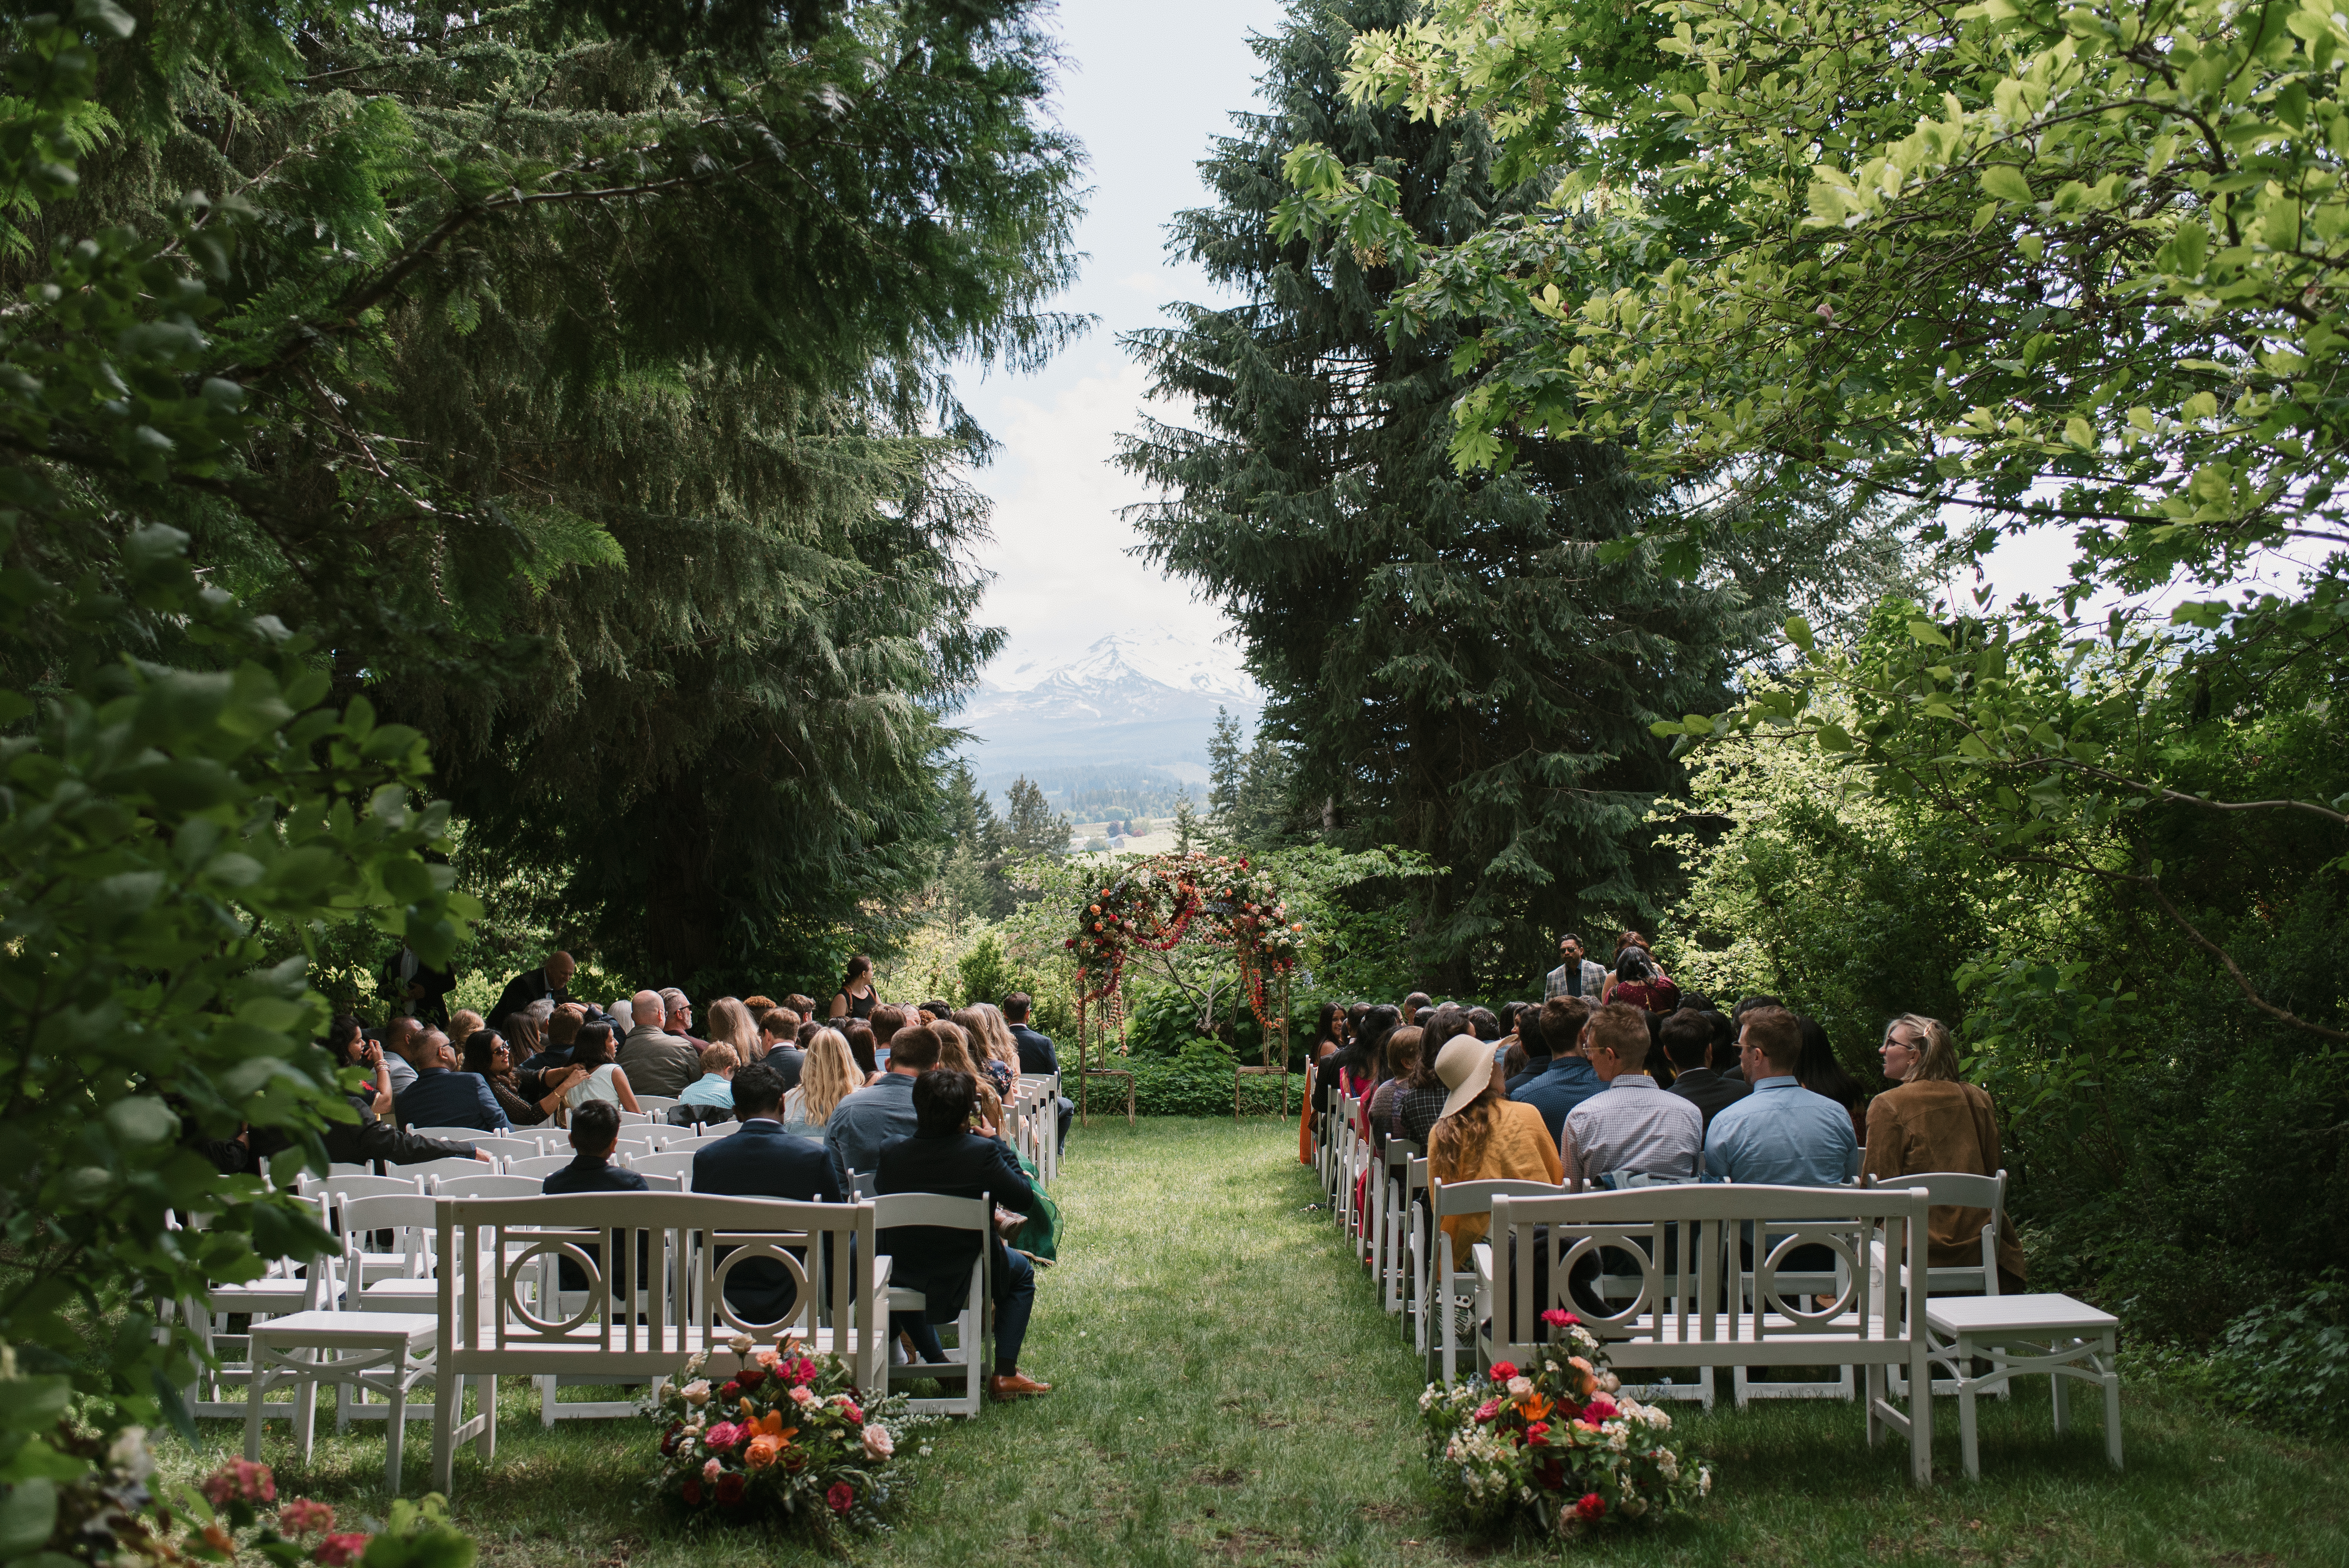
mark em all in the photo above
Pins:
pixel 656 1062
pixel 758 1160
pixel 1781 1134
pixel 1575 975
pixel 549 982
pixel 1569 1080
pixel 871 1116
pixel 1037 1057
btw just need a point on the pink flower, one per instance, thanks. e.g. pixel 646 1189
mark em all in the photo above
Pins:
pixel 798 1373
pixel 1537 1431
pixel 301 1517
pixel 338 1551
pixel 1502 1372
pixel 1488 1409
pixel 1558 1317
pixel 245 1480
pixel 803 1397
pixel 1599 1410
pixel 842 1497
pixel 848 1408
pixel 1591 1506
pixel 724 1434
pixel 878 1444
pixel 766 1358
pixel 709 1470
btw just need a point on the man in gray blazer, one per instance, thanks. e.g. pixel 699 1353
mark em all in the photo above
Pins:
pixel 1573 976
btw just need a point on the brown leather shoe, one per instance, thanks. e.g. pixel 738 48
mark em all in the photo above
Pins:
pixel 1018 1385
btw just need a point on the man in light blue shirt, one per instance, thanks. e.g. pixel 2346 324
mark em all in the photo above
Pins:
pixel 1781 1135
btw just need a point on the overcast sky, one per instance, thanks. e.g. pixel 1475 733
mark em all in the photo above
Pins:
pixel 1146 89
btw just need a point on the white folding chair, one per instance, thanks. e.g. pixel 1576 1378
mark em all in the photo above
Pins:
pixel 458 1135
pixel 515 1146
pixel 362 1265
pixel 1397 1195
pixel 1451 1287
pixel 974 1327
pixel 539 1168
pixel 381 1352
pixel 433 1168
pixel 285 1287
pixel 660 1135
pixel 671 1164
pixel 655 1103
pixel 347 1168
pixel 1958 1190
pixel 488 1186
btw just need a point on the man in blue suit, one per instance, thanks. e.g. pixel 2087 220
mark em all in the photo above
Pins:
pixel 1569 1080
pixel 443 1097
pixel 760 1161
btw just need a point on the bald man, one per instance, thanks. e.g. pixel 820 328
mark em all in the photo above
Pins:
pixel 657 1061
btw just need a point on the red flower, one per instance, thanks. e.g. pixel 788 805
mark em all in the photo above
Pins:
pixel 842 1496
pixel 1537 1431
pixel 1072 943
pixel 1487 1410
pixel 750 1377
pixel 302 1517
pixel 1591 1506
pixel 731 1391
pixel 1558 1317
pixel 1503 1371
pixel 729 1486
pixel 1599 1410
pixel 338 1551
pixel 668 1439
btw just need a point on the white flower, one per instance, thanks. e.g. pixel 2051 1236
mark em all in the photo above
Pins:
pixel 1609 1382
pixel 129 1453
pixel 696 1362
pixel 697 1392
pixel 878 1444
pixel 740 1344
pixel 1703 1480
pixel 1670 1463
pixel 1519 1386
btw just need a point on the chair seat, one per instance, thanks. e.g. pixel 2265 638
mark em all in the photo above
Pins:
pixel 330 1329
pixel 2025 1315
pixel 401 1296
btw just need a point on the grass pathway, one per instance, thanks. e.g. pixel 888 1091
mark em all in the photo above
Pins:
pixel 1226 1392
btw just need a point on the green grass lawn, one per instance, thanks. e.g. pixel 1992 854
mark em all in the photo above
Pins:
pixel 1227 1391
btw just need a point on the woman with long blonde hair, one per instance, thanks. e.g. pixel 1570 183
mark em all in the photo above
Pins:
pixel 999 1064
pixel 828 1076
pixel 730 1023
pixel 954 1051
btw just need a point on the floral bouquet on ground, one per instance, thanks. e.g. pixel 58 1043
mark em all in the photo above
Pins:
pixel 1560 1440
pixel 785 1435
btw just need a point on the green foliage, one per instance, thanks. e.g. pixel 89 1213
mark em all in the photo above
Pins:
pixel 580 379
pixel 1195 1082
pixel 171 829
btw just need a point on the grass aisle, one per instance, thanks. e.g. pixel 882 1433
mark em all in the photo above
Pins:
pixel 1226 1392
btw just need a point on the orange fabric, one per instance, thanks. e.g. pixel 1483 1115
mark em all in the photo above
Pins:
pixel 1933 1125
pixel 1305 1120
pixel 1519 1150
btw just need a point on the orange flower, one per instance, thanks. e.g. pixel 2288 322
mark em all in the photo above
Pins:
pixel 769 1425
pixel 762 1452
pixel 1535 1407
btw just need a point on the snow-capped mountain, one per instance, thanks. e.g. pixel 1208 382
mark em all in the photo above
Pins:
pixel 1142 696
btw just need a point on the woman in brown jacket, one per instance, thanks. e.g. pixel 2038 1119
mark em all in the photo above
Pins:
pixel 1935 1120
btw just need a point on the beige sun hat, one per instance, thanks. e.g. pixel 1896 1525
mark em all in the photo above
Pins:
pixel 1466 1067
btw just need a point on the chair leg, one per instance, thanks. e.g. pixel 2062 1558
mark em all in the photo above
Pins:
pixel 448 1394
pixel 2060 1395
pixel 396 1437
pixel 306 1409
pixel 485 1400
pixel 2112 1380
pixel 254 1386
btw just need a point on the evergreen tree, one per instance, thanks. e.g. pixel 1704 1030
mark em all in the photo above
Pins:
pixel 1264 804
pixel 1224 767
pixel 1188 833
pixel 581 378
pixel 1457 663
pixel 1031 831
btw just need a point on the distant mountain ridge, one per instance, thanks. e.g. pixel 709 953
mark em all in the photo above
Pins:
pixel 1147 697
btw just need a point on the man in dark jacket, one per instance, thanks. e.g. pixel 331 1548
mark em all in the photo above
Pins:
pixel 760 1161
pixel 1037 1057
pixel 1569 1080
pixel 1688 1038
pixel 942 1158
pixel 371 1138
pixel 551 980
pixel 595 1133
pixel 442 1097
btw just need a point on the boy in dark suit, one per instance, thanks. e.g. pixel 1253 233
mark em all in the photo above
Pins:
pixel 944 1158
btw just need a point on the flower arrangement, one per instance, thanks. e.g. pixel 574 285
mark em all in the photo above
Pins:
pixel 1153 903
pixel 1559 1442
pixel 784 1437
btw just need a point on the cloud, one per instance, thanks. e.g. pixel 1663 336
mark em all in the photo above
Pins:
pixel 1063 578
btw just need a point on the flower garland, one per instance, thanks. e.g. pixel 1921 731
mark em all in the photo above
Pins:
pixel 1559 1442
pixel 1153 904
pixel 784 1437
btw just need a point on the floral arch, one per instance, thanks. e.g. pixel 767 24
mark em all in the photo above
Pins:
pixel 1163 901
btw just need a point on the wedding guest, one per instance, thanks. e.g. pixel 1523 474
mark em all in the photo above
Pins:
pixel 594 1135
pixel 994 1071
pixel 461 1025
pixel 525 1103
pixel 1639 981
pixel 657 1061
pixel 1420 1105
pixel 1401 1069
pixel 1781 1135
pixel 1569 1080
pixel 1482 1136
pixel 401 1037
pixel 855 998
pixel 677 1017
pixel 1688 1037
pixel 871 1116
pixel 1630 1124
pixel 551 979
pixel 954 1054
pixel 1535 1044
pixel 864 1051
pixel 732 1023
pixel 803 1005
pixel 758 1160
pixel 1934 1120
pixel 779 1046
pixel 1576 975
pixel 940 1155
pixel 828 1074
pixel 445 1096
pixel 604 1079
pixel 562 1034
pixel 1819 1070
pixel 1037 1057
pixel 373 1137
pixel 716 1084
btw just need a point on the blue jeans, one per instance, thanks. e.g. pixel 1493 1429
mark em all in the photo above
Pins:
pixel 1014 1289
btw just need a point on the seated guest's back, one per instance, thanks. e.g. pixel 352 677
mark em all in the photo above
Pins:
pixel 871 1116
pixel 1781 1134
pixel 719 1061
pixel 595 1133
pixel 1483 1135
pixel 1569 1080
pixel 779 1029
pixel 1631 1125
pixel 941 1157
pixel 758 1160
pixel 1688 1039
pixel 657 1061
pixel 1534 1043
pixel 444 1096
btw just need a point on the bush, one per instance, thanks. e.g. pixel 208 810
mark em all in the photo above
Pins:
pixel 1195 1082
